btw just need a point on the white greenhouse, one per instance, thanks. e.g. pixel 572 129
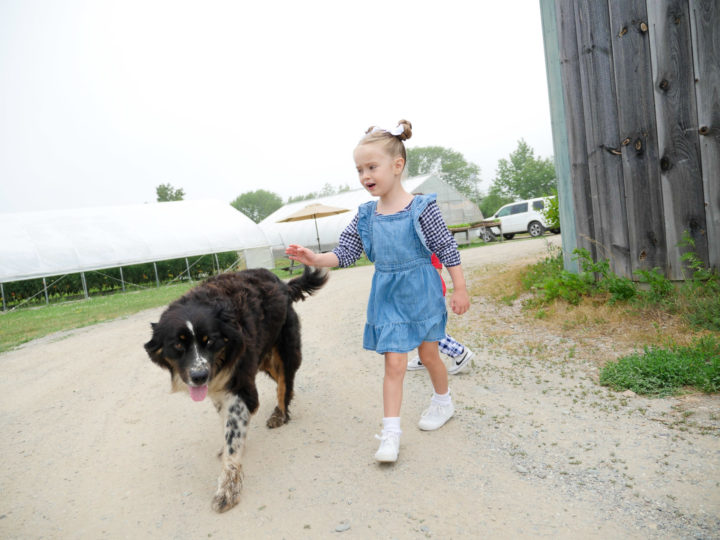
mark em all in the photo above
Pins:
pixel 57 242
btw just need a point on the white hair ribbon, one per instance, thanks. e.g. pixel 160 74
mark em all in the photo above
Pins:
pixel 397 130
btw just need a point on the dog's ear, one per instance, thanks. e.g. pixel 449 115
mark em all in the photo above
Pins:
pixel 154 348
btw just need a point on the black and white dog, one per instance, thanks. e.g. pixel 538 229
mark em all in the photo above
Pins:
pixel 216 338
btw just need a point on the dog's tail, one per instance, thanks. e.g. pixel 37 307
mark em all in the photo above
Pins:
pixel 311 280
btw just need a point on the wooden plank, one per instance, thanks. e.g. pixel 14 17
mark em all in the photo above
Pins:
pixel 638 133
pixel 575 125
pixel 603 141
pixel 705 26
pixel 676 112
pixel 561 150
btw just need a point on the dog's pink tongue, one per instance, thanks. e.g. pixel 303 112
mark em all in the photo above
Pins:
pixel 198 393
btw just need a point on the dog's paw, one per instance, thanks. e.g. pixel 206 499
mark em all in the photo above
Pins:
pixel 277 418
pixel 229 488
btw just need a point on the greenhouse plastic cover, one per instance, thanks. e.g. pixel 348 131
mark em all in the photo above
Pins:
pixel 39 244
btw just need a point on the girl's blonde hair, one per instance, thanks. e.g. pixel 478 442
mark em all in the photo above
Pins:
pixel 393 143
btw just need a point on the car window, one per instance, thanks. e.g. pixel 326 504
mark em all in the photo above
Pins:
pixel 538 205
pixel 504 212
pixel 518 208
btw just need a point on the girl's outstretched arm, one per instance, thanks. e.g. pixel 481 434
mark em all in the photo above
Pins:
pixel 309 258
pixel 459 301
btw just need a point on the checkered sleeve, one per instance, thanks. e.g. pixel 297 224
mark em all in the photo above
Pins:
pixel 439 239
pixel 350 246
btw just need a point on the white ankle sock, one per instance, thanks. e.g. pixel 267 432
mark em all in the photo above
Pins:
pixel 442 399
pixel 391 424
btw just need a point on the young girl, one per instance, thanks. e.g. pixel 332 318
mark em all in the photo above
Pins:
pixel 406 308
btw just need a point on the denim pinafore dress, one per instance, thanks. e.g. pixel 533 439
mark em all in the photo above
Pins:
pixel 406 305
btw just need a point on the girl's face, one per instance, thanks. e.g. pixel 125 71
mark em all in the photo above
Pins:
pixel 378 171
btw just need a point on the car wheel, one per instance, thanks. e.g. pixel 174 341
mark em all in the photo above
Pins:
pixel 509 236
pixel 488 236
pixel 536 229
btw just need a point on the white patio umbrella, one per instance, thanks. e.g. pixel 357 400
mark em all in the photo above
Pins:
pixel 314 211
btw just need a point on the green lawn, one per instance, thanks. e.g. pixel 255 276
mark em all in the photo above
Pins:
pixel 22 325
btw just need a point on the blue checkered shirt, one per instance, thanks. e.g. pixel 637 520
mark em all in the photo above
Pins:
pixel 437 237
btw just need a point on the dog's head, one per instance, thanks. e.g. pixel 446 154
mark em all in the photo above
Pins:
pixel 193 342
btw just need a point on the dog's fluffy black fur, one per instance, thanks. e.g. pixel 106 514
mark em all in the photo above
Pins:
pixel 216 338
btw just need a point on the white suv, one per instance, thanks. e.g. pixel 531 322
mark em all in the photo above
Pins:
pixel 522 216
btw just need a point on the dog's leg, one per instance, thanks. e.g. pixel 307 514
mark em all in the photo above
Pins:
pixel 237 417
pixel 219 408
pixel 285 361
pixel 274 368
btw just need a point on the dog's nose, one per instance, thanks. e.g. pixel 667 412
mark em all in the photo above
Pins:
pixel 199 376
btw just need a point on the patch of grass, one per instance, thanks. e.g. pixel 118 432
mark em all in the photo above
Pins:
pixel 661 371
pixel 23 325
pixel 697 299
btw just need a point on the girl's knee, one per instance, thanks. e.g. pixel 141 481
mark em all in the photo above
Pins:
pixel 395 365
pixel 431 360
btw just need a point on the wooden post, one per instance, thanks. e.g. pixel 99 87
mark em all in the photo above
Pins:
pixel 679 147
pixel 157 278
pixel 217 261
pixel 560 137
pixel 575 124
pixel 637 127
pixel 592 21
pixel 705 26
pixel 2 293
pixel 122 279
pixel 187 265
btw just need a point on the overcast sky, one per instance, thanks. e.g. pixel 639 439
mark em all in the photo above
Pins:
pixel 101 101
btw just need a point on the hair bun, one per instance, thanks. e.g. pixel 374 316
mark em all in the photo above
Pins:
pixel 407 131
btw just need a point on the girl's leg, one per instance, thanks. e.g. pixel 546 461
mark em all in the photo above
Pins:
pixel 441 408
pixel 395 366
pixel 430 357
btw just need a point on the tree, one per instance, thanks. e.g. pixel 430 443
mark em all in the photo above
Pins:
pixel 523 176
pixel 165 193
pixel 257 205
pixel 455 170
pixel 493 201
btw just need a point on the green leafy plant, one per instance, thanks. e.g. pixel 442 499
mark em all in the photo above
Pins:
pixel 666 371
pixel 551 211
pixel 660 291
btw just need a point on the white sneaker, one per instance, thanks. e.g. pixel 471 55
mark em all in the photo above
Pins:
pixel 435 416
pixel 459 363
pixel 389 447
pixel 415 364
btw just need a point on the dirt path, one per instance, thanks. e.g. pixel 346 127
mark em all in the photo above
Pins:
pixel 94 446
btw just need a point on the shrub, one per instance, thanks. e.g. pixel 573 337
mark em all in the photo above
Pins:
pixel 551 211
pixel 662 372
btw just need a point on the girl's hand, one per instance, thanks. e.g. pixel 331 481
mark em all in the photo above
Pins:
pixel 460 301
pixel 301 254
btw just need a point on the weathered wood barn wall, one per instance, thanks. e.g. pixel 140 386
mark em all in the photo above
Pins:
pixel 635 104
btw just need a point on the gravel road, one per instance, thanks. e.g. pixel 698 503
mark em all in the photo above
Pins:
pixel 95 446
